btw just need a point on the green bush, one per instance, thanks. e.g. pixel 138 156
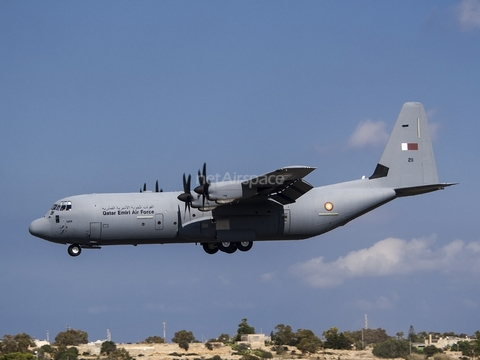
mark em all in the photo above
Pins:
pixel 66 354
pixel 267 355
pixel 250 357
pixel 392 349
pixel 431 350
pixel 108 347
pixel 154 340
pixel 183 345
pixel 17 356
pixel 71 337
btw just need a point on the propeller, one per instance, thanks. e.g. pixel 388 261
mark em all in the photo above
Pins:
pixel 145 187
pixel 186 197
pixel 202 189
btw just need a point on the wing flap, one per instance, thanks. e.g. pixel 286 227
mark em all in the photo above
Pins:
pixel 292 192
pixel 278 177
pixel 284 185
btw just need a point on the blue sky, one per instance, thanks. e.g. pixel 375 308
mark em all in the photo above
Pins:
pixel 104 96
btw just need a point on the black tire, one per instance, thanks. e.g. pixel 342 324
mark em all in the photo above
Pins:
pixel 244 245
pixel 74 250
pixel 227 247
pixel 210 248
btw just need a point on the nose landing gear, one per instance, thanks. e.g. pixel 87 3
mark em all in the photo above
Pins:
pixel 74 250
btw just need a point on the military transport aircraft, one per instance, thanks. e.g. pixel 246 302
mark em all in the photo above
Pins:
pixel 231 215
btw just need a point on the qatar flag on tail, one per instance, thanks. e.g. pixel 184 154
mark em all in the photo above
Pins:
pixel 409 146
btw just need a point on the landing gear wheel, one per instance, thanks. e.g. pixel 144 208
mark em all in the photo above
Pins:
pixel 227 247
pixel 74 250
pixel 244 245
pixel 210 248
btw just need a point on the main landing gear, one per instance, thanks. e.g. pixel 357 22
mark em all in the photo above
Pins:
pixel 227 247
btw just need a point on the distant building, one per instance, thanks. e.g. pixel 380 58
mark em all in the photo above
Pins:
pixel 253 340
pixel 442 343
pixel 40 343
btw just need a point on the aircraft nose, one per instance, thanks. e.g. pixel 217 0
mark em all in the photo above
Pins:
pixel 40 228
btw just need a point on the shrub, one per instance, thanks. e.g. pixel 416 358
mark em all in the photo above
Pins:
pixel 250 357
pixel 108 347
pixel 183 345
pixel 17 356
pixel 71 337
pixel 392 349
pixel 154 340
pixel 66 354
pixel 431 350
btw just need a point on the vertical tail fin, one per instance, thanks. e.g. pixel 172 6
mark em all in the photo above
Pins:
pixel 407 163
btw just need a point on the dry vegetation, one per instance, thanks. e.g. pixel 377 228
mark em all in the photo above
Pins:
pixel 198 351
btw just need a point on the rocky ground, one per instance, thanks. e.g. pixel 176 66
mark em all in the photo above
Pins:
pixel 199 351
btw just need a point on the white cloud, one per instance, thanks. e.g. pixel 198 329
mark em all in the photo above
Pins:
pixel 390 257
pixel 268 277
pixel 385 303
pixel 469 14
pixel 369 133
pixel 474 246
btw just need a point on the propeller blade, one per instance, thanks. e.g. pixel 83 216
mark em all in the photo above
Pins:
pixel 186 197
pixel 202 189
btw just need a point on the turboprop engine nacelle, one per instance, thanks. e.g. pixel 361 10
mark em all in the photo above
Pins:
pixel 228 191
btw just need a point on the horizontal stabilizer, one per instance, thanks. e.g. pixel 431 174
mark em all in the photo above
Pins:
pixel 417 190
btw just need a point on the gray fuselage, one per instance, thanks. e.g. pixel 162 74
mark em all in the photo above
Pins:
pixel 158 218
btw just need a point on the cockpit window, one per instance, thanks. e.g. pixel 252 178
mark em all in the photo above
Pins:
pixel 62 206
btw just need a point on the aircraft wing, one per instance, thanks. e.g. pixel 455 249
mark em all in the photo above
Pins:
pixel 283 185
